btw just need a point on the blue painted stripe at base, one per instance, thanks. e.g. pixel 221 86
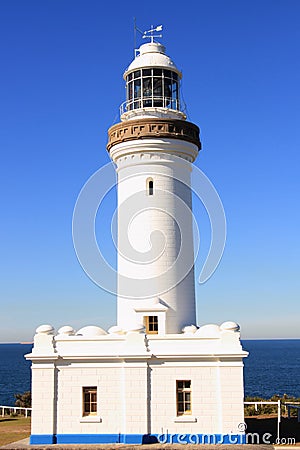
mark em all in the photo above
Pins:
pixel 87 438
pixel 132 438
pixel 138 439
pixel 37 439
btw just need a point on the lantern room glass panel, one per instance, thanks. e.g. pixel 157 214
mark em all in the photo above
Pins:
pixel 158 88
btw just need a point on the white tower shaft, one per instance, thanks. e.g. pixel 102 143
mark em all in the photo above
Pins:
pixel 155 257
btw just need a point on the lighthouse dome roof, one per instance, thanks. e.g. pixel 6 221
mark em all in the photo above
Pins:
pixel 152 54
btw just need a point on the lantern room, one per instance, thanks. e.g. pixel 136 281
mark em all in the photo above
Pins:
pixel 152 85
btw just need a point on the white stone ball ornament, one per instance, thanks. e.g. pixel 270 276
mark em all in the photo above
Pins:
pixel 91 331
pixel 190 329
pixel 45 329
pixel 230 326
pixel 66 330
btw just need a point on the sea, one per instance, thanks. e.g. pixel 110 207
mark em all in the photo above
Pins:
pixel 272 367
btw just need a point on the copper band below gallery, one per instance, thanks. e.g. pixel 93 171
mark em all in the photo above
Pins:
pixel 153 128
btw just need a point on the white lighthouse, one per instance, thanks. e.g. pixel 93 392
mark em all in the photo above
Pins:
pixel 153 148
pixel 155 376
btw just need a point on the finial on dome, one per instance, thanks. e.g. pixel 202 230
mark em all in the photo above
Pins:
pixel 149 34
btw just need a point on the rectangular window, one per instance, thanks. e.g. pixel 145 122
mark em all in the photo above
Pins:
pixel 137 74
pixel 183 397
pixel 150 187
pixel 89 400
pixel 151 324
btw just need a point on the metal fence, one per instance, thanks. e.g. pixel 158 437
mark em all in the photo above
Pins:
pixel 278 403
pixel 8 410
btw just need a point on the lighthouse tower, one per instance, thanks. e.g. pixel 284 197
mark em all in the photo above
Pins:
pixel 153 148
pixel 154 376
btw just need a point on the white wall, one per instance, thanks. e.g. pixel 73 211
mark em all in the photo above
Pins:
pixel 134 398
pixel 43 398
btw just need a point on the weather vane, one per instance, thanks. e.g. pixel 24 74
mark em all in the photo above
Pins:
pixel 150 33
pixel 146 34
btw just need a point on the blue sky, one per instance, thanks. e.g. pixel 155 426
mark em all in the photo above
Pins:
pixel 61 85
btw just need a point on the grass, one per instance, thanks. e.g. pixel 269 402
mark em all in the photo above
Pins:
pixel 13 429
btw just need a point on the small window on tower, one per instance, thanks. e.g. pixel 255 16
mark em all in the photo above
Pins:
pixel 89 400
pixel 150 187
pixel 151 324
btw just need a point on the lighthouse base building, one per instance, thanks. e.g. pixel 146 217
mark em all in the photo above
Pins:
pixel 137 388
pixel 155 376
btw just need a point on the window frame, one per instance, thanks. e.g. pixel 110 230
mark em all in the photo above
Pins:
pixel 151 322
pixel 185 399
pixel 88 411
